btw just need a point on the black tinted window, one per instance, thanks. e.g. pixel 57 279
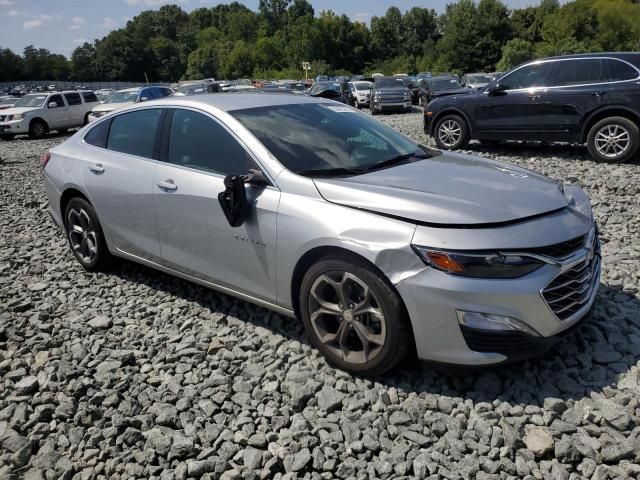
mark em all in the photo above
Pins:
pixel 576 72
pixel 530 76
pixel 89 97
pixel 57 99
pixel 620 71
pixel 197 141
pixel 134 133
pixel 165 92
pixel 73 98
pixel 97 136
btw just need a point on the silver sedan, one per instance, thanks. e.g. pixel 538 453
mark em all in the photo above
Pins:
pixel 381 246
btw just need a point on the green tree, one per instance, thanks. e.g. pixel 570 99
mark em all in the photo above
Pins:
pixel 11 66
pixel 82 59
pixel 515 52
pixel 203 63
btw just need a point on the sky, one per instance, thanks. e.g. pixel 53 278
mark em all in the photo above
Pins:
pixel 62 25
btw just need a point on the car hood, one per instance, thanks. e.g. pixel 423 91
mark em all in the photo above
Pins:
pixel 452 91
pixel 16 110
pixel 448 190
pixel 110 107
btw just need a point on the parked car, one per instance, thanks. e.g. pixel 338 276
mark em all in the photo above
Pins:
pixel 464 260
pixel 413 84
pixel 589 98
pixel 435 87
pixel 7 102
pixel 330 89
pixel 424 75
pixel 241 85
pixel 476 80
pixel 389 93
pixel 37 114
pixel 197 89
pixel 360 93
pixel 122 98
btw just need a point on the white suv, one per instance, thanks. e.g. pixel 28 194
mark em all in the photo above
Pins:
pixel 36 114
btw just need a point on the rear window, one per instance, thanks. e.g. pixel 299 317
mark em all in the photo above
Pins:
pixel 620 71
pixel 576 72
pixel 73 98
pixel 135 132
pixel 89 97
pixel 97 136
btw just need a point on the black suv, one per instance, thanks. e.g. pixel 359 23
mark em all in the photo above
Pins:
pixel 589 98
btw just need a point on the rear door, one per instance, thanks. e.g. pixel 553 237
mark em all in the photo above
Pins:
pixel 575 88
pixel 513 113
pixel 118 173
pixel 196 238
pixel 76 115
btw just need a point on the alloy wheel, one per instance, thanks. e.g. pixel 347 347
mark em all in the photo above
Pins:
pixel 612 140
pixel 82 235
pixel 449 133
pixel 347 317
pixel 38 129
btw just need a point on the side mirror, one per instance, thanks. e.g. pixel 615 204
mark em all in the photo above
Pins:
pixel 233 200
pixel 52 105
pixel 496 89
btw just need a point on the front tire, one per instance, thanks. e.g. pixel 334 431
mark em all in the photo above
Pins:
pixel 613 140
pixel 451 132
pixel 38 129
pixel 353 316
pixel 85 236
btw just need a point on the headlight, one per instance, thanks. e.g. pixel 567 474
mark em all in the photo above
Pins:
pixel 495 323
pixel 479 265
pixel 97 114
pixel 407 95
pixel 17 116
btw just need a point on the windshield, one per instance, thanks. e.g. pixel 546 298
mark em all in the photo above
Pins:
pixel 31 101
pixel 123 97
pixel 325 139
pixel 445 84
pixel 389 82
pixel 324 86
pixel 479 79
pixel 363 85
pixel 192 89
pixel 297 86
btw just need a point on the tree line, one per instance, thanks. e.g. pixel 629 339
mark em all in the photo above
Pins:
pixel 232 41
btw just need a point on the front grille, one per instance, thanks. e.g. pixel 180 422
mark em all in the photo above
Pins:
pixel 572 289
pixel 560 250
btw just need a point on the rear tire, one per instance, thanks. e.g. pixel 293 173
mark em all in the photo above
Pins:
pixel 367 343
pixel 451 132
pixel 613 140
pixel 85 236
pixel 38 129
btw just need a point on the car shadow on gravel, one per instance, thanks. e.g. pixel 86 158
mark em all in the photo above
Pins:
pixel 590 359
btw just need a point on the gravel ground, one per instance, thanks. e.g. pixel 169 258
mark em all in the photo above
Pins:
pixel 140 375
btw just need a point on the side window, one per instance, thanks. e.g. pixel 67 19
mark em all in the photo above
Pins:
pixel 576 72
pixel 619 71
pixel 97 136
pixel 89 97
pixel 73 99
pixel 134 133
pixel 197 141
pixel 57 99
pixel 165 92
pixel 530 76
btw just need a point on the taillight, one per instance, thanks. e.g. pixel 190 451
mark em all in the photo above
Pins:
pixel 45 159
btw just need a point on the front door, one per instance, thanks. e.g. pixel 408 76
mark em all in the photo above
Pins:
pixel 515 112
pixel 195 236
pixel 57 116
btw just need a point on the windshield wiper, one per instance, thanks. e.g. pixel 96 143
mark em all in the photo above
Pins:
pixel 330 172
pixel 395 161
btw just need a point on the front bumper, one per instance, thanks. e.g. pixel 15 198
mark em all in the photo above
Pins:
pixel 381 106
pixel 434 298
pixel 14 127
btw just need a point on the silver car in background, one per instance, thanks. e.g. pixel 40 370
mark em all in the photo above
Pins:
pixel 313 209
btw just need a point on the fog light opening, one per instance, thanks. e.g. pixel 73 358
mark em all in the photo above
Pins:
pixel 496 323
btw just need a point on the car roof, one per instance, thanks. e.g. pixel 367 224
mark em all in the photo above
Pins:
pixel 240 100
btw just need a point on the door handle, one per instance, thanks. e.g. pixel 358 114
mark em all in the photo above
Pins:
pixel 97 168
pixel 168 185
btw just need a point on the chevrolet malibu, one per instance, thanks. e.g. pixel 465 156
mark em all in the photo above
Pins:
pixel 381 246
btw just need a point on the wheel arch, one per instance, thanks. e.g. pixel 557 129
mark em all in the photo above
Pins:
pixel 66 197
pixel 39 119
pixel 450 111
pixel 315 254
pixel 609 111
